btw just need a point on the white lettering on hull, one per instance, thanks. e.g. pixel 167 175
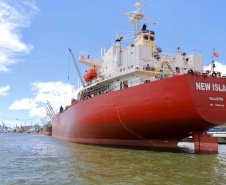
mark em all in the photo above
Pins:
pixel 219 105
pixel 216 98
pixel 201 86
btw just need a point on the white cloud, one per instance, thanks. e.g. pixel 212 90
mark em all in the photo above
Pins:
pixel 219 67
pixel 14 15
pixel 23 104
pixel 38 112
pixel 3 90
pixel 57 93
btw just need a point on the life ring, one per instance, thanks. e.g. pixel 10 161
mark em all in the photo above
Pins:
pixel 111 90
pixel 174 73
pixel 219 74
pixel 207 72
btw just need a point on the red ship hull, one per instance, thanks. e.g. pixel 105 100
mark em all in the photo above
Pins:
pixel 155 114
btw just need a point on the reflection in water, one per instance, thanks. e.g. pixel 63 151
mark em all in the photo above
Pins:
pixel 38 159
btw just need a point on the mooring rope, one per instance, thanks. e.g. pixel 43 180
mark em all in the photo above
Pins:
pixel 133 132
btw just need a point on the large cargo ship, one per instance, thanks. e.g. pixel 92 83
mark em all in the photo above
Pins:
pixel 47 129
pixel 141 97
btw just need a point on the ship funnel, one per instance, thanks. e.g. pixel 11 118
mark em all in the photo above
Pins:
pixel 144 27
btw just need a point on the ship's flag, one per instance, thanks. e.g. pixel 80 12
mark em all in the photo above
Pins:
pixel 215 54
pixel 154 23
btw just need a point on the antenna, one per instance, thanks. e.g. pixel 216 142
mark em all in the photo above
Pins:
pixel 142 6
pixel 177 36
pixel 136 16
pixel 178 48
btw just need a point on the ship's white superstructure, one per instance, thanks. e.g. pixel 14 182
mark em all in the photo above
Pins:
pixel 140 62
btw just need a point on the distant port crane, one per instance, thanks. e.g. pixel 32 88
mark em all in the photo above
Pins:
pixel 3 127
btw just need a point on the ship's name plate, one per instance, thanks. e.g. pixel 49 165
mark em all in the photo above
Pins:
pixel 210 87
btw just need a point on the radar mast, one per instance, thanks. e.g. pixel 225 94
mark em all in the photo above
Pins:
pixel 136 16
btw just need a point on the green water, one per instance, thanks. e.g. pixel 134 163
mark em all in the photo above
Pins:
pixel 38 159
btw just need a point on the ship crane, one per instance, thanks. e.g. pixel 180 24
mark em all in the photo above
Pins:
pixel 4 127
pixel 136 16
pixel 49 111
pixel 81 79
pixel 122 38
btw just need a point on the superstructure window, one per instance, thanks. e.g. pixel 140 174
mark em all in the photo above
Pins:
pixel 151 38
pixel 120 70
pixel 123 69
pixel 145 37
pixel 131 66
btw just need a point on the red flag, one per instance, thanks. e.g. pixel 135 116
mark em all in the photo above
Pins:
pixel 215 54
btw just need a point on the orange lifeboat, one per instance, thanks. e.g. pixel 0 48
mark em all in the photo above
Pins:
pixel 90 74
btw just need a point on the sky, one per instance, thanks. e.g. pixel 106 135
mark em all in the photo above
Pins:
pixel 35 63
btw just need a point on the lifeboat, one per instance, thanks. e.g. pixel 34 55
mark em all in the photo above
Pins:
pixel 90 74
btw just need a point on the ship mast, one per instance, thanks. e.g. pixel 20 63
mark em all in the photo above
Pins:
pixel 213 63
pixel 136 16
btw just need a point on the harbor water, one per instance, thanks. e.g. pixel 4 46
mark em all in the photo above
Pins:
pixel 38 159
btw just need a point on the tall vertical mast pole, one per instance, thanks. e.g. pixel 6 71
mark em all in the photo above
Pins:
pixel 212 65
pixel 136 16
pixel 83 84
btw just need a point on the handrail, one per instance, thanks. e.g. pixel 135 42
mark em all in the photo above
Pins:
pixel 137 68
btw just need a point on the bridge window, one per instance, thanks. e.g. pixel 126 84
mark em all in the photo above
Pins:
pixel 145 37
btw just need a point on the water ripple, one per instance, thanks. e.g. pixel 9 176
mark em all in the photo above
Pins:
pixel 36 159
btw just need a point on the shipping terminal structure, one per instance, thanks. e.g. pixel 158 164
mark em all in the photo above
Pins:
pixel 137 96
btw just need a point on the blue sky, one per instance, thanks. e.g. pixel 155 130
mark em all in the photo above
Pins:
pixel 35 36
